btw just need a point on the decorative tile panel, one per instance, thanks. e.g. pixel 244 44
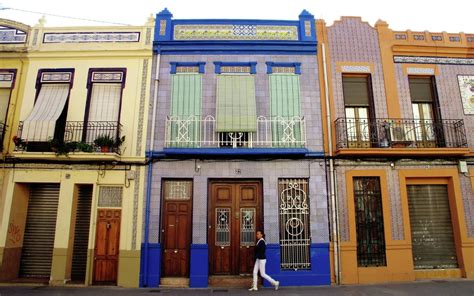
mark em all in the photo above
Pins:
pixel 466 87
pixel 136 192
pixel 422 71
pixel 355 69
pixel 91 37
pixel 433 60
pixel 141 110
pixel 12 36
pixel 6 79
pixel 307 28
pixel 419 37
pixel 107 76
pixel 56 77
pixel 162 27
pixel 436 38
pixel 235 32
pixel 110 196
pixel 470 39
pixel 455 39
pixel 401 36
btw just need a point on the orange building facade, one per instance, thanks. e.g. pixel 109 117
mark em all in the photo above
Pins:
pixel 399 119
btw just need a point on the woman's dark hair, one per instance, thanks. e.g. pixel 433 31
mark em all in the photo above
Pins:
pixel 261 231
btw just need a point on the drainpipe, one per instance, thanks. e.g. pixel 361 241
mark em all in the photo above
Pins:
pixel 150 170
pixel 332 176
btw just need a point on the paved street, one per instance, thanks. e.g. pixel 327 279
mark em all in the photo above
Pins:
pixel 424 288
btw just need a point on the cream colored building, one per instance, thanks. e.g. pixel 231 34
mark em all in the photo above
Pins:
pixel 73 178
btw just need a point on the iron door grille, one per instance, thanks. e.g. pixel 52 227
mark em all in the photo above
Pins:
pixel 294 224
pixel 81 233
pixel 431 228
pixel 38 241
pixel 369 222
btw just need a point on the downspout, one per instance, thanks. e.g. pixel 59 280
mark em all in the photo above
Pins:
pixel 150 169
pixel 332 175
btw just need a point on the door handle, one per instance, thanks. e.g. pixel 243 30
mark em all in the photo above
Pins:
pixel 175 251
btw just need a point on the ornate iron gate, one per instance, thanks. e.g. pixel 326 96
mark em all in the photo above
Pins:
pixel 294 224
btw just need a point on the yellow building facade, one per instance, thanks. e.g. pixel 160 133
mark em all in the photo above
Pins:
pixel 74 153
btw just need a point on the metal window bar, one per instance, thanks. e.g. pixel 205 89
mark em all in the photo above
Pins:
pixel 199 132
pixel 223 220
pixel 295 236
pixel 400 133
pixel 369 222
pixel 87 132
pixel 247 226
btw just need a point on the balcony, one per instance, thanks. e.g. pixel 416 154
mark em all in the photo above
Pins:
pixel 401 135
pixel 198 132
pixel 74 136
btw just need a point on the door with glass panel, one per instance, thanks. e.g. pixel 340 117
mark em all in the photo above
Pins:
pixel 176 227
pixel 426 129
pixel 235 215
pixel 358 110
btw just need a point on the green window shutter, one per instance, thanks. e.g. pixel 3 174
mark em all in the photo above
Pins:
pixel 186 93
pixel 284 95
pixel 285 105
pixel 236 107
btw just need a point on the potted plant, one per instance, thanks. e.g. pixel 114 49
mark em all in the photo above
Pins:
pixel 105 142
pixel 19 143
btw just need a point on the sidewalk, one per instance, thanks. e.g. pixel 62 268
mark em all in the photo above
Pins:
pixel 421 288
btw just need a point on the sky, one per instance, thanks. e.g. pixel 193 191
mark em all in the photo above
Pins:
pixel 417 15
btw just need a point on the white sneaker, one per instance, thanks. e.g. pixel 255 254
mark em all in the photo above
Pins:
pixel 253 289
pixel 277 285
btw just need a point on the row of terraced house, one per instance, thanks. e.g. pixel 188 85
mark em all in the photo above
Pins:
pixel 135 155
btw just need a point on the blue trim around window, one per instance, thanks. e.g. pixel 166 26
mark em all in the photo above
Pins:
pixel 174 65
pixel 252 65
pixel 270 66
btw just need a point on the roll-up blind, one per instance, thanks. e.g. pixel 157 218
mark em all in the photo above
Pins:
pixel 40 124
pixel 186 95
pixel 431 227
pixel 285 95
pixel 420 90
pixel 356 91
pixel 236 107
pixel 105 102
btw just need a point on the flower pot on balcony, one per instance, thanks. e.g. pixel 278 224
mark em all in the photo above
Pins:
pixel 104 149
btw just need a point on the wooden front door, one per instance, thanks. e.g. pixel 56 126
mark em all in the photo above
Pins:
pixel 176 228
pixel 235 215
pixel 107 246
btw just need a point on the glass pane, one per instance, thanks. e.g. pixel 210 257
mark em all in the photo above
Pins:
pixel 247 227
pixel 222 227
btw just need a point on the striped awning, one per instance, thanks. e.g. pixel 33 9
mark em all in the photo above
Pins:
pixel 236 107
pixel 40 124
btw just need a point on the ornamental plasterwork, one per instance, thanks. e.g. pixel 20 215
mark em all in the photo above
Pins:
pixel 235 32
pixel 433 60
pixel 91 37
pixel 466 87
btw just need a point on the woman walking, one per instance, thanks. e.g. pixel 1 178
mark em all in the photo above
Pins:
pixel 260 261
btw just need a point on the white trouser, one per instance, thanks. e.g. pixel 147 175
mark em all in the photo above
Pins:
pixel 260 266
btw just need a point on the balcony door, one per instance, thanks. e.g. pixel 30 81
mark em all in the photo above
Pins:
pixel 358 107
pixel 102 114
pixel 427 129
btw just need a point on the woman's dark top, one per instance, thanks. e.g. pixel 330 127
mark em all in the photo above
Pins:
pixel 260 249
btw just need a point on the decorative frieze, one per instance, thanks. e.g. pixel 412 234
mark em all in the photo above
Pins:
pixel 235 32
pixel 12 36
pixel 433 60
pixel 91 37
pixel 56 77
pixel 107 77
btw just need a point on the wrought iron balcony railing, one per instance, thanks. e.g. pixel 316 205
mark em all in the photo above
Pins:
pixel 91 136
pixel 400 133
pixel 197 132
